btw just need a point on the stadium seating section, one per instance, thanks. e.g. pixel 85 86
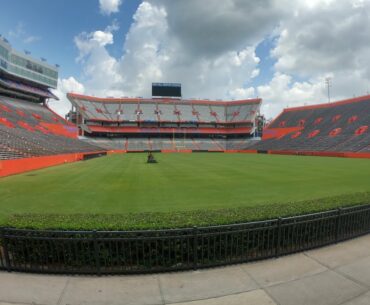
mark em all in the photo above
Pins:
pixel 30 130
pixel 176 144
pixel 170 110
pixel 337 127
pixel 137 124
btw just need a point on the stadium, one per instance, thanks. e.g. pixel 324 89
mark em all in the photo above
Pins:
pixel 226 187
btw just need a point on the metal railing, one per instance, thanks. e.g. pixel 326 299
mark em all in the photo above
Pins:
pixel 124 252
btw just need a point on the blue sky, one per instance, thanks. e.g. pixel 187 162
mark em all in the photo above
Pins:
pixel 50 29
pixel 54 24
pixel 279 50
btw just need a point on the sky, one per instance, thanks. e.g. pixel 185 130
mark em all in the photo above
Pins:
pixel 279 50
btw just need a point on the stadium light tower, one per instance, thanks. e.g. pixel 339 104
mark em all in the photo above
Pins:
pixel 328 85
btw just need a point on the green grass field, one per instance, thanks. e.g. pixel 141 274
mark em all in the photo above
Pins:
pixel 191 186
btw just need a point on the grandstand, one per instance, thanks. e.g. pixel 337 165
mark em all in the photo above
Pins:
pixel 335 127
pixel 31 130
pixel 28 128
pixel 210 209
pixel 137 124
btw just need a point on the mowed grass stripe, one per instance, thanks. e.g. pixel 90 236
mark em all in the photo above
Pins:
pixel 122 184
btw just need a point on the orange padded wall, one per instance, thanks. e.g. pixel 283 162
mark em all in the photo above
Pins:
pixel 17 166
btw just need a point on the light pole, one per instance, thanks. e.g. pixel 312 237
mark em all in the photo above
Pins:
pixel 328 85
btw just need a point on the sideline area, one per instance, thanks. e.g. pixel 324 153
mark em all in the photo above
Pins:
pixel 333 275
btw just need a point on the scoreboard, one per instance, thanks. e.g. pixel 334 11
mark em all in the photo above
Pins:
pixel 166 90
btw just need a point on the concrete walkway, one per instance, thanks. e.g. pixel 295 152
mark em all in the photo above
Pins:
pixel 334 275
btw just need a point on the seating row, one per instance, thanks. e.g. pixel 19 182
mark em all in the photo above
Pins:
pixel 29 130
pixel 166 111
pixel 338 127
pixel 167 143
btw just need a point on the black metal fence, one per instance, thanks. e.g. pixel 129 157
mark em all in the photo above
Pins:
pixel 110 252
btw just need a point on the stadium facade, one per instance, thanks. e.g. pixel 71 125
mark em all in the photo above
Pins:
pixel 165 124
pixel 25 76
pixel 31 135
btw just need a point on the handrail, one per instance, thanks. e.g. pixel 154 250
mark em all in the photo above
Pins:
pixel 124 252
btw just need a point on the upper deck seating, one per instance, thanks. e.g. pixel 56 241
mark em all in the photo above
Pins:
pixel 187 113
pixel 149 112
pixel 165 110
pixel 204 113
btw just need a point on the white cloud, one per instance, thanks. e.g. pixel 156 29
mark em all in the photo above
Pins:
pixel 100 70
pixel 243 93
pixel 213 27
pixel 18 31
pixel 328 37
pixel 102 38
pixel 63 106
pixel 31 39
pixel 150 41
pixel 210 47
pixel 108 7
pixel 88 42
pixel 158 48
pixel 283 91
pixel 321 38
